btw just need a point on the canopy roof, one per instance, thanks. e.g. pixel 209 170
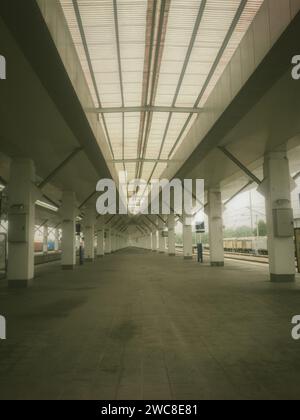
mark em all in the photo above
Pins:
pixel 151 66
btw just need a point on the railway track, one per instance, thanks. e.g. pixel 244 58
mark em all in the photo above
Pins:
pixel 262 259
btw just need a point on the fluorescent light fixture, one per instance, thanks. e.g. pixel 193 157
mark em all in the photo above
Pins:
pixel 46 206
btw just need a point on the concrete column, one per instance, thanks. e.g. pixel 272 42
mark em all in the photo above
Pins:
pixel 21 219
pixel 113 241
pixel 45 239
pixel 89 234
pixel 154 241
pixel 100 238
pixel 69 212
pixel 187 238
pixel 116 242
pixel 161 239
pixel 215 222
pixel 277 191
pixel 171 229
pixel 108 242
pixel 56 240
pixel 78 241
pixel 149 242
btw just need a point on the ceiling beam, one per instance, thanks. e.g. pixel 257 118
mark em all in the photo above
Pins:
pixel 120 73
pixel 90 66
pixel 181 78
pixel 168 109
pixel 150 35
pixel 238 192
pixel 240 165
pixel 110 220
pixel 87 199
pixel 213 69
pixel 50 177
pixel 295 177
pixel 140 160
pixel 160 41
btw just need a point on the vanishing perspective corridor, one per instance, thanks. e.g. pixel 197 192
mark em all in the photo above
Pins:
pixel 138 325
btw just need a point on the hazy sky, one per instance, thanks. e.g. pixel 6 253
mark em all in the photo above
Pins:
pixel 237 212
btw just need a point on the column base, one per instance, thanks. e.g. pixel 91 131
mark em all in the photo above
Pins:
pixel 162 252
pixel 283 278
pixel 172 255
pixel 100 256
pixel 186 257
pixel 68 267
pixel 217 264
pixel 20 284
pixel 89 260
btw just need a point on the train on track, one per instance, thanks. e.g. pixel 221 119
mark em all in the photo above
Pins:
pixel 38 246
pixel 251 245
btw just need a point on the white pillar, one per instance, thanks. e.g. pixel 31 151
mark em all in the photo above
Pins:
pixel 45 239
pixel 22 196
pixel 171 235
pixel 161 239
pixel 68 212
pixel 108 242
pixel 149 241
pixel 116 241
pixel 78 241
pixel 154 241
pixel 113 241
pixel 100 237
pixel 215 222
pixel 89 234
pixel 187 237
pixel 56 240
pixel 277 190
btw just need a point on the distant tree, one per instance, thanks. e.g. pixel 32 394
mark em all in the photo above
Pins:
pixel 179 239
pixel 262 228
pixel 240 232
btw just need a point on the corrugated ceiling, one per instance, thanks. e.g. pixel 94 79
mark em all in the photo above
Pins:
pixel 166 54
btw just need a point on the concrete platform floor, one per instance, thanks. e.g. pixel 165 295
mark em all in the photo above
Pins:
pixel 137 325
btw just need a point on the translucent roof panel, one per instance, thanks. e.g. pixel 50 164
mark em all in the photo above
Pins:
pixel 172 52
pixel 181 21
pixel 216 21
pixel 114 123
pixel 131 134
pixel 159 122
